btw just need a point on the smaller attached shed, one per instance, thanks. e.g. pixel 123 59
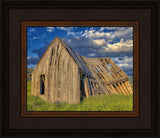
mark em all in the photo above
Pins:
pixel 62 75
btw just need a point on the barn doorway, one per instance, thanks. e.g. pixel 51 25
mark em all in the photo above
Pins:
pixel 42 84
pixel 82 94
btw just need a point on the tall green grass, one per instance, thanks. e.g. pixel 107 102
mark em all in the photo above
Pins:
pixel 94 103
pixel 28 87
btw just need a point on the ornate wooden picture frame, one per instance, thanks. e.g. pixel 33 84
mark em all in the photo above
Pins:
pixel 134 113
pixel 17 121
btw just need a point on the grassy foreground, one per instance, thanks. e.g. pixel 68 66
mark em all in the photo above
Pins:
pixel 96 103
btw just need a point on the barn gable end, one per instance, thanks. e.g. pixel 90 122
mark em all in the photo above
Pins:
pixel 62 77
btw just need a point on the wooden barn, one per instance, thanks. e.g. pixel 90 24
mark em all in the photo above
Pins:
pixel 62 75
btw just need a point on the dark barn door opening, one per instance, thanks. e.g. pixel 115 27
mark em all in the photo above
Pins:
pixel 82 93
pixel 42 84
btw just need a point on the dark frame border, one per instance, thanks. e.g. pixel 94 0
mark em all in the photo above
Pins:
pixel 154 5
pixel 134 113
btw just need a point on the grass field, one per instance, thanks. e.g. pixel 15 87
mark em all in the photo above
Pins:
pixel 96 103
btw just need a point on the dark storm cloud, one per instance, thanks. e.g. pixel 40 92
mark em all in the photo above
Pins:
pixel 40 51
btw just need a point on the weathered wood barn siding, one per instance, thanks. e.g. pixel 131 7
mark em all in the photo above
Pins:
pixel 62 77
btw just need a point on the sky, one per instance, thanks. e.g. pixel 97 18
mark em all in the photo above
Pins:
pixel 113 42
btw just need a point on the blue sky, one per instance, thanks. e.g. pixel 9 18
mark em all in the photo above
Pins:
pixel 113 42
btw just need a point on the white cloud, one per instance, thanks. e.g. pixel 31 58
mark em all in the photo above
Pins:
pixel 112 33
pixel 32 30
pixel 108 28
pixel 123 31
pixel 125 63
pixel 106 39
pixel 93 34
pixel 32 57
pixel 65 28
pixel 35 37
pixel 49 29
pixel 113 28
pixel 70 31
pixel 99 42
pixel 102 28
pixel 91 55
pixel 120 46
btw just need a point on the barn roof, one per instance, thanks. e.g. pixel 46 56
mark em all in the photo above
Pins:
pixel 76 57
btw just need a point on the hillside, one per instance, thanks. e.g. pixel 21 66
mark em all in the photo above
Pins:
pixel 29 70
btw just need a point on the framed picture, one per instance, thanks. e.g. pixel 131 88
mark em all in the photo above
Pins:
pixel 80 68
pixel 89 80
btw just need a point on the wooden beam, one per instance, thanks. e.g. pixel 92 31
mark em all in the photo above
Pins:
pixel 90 86
pixel 92 69
pixel 115 75
pixel 129 87
pixel 108 71
pixel 121 88
pixel 118 90
pixel 126 91
pixel 114 90
pixel 86 87
pixel 117 68
pixel 115 81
